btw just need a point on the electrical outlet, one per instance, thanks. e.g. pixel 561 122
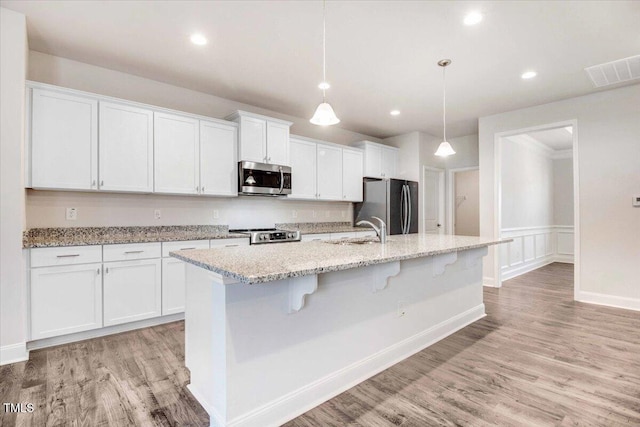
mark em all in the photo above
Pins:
pixel 157 214
pixel 294 214
pixel 401 309
pixel 216 214
pixel 636 201
pixel 72 214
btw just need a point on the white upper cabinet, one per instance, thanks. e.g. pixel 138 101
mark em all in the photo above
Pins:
pixel 262 139
pixel 329 172
pixel 352 173
pixel 125 148
pixel 64 141
pixel 303 169
pixel 379 160
pixel 218 159
pixel 177 156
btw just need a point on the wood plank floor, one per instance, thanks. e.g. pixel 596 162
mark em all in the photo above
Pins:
pixel 537 359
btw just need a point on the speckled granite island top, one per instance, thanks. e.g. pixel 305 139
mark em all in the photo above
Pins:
pixel 266 263
pixel 80 236
pixel 320 227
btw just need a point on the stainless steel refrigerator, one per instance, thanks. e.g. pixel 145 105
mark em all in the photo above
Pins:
pixel 393 200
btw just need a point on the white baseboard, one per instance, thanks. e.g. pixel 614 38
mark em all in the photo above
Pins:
pixel 609 300
pixel 101 332
pixel 298 402
pixel 489 282
pixel 526 267
pixel 13 353
pixel 567 259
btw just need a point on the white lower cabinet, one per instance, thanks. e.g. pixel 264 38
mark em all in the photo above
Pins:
pixel 132 291
pixel 173 286
pixel 65 300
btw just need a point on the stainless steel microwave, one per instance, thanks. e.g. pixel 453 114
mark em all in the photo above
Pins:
pixel 263 179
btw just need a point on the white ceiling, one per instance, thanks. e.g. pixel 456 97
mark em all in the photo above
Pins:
pixel 556 139
pixel 380 55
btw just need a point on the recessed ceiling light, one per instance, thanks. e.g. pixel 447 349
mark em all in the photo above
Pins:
pixel 324 85
pixel 198 39
pixel 472 18
pixel 395 112
pixel 529 75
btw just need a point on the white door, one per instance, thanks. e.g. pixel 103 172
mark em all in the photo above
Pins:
pixel 388 163
pixel 132 291
pixel 277 143
pixel 329 172
pixel 303 170
pixel 64 141
pixel 432 201
pixel 126 148
pixel 253 140
pixel 352 175
pixel 218 159
pixel 373 161
pixel 173 286
pixel 65 300
pixel 177 154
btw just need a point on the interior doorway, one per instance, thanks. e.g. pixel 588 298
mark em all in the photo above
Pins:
pixel 464 201
pixel 433 200
pixel 536 192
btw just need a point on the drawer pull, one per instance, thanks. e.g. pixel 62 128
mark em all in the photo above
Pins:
pixel 67 256
pixel 230 246
pixel 186 249
pixel 106 270
pixel 98 271
pixel 133 252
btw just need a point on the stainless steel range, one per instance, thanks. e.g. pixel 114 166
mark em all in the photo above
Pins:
pixel 259 236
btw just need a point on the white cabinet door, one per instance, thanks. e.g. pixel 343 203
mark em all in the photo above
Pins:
pixel 218 159
pixel 126 148
pixel 278 143
pixel 329 172
pixel 388 164
pixel 373 161
pixel 177 155
pixel 253 140
pixel 64 141
pixel 173 286
pixel 65 300
pixel 352 169
pixel 303 170
pixel 132 291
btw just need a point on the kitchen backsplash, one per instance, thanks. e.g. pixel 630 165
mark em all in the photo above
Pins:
pixel 48 209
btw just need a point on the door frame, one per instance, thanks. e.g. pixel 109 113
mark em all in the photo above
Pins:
pixel 497 199
pixel 441 198
pixel 451 203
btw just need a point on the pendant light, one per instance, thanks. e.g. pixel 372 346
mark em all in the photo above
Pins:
pixel 324 115
pixel 444 149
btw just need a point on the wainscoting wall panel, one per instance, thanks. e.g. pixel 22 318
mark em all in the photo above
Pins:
pixel 534 247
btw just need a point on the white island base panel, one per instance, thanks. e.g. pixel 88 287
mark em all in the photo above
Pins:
pixel 260 355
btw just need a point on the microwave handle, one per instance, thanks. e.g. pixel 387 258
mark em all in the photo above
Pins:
pixel 281 180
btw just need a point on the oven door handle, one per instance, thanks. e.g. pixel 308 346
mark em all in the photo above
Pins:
pixel 281 180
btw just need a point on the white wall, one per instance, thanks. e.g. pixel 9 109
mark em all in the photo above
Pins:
pixel 46 209
pixel 13 66
pixel 608 126
pixel 563 191
pixel 408 156
pixel 467 203
pixel 527 185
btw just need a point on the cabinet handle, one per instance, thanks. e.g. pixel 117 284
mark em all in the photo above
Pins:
pixel 230 246
pixel 269 159
pixel 318 194
pixel 133 252
pixel 93 183
pixel 344 197
pixel 98 271
pixel 67 256
pixel 106 270
pixel 101 183
pixel 186 249
pixel 203 189
pixel 197 189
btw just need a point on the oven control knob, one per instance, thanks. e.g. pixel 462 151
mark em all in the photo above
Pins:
pixel 291 235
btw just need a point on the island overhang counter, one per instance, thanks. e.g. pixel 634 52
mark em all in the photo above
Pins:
pixel 272 331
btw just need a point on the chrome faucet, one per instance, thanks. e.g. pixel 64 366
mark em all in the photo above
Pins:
pixel 381 231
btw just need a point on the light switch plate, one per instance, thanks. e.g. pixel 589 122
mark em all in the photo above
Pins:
pixel 72 214
pixel 157 214
pixel 636 201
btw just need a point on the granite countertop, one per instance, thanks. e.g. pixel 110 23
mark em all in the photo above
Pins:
pixel 80 236
pixel 266 263
pixel 321 227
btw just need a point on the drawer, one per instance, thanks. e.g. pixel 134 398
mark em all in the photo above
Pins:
pixel 183 245
pixel 131 251
pixel 229 243
pixel 68 255
pixel 338 236
pixel 315 237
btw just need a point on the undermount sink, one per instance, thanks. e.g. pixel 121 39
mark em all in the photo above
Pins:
pixel 355 241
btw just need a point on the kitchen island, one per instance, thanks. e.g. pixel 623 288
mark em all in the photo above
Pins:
pixel 274 330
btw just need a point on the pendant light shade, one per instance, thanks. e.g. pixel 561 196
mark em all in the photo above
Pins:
pixel 324 115
pixel 444 149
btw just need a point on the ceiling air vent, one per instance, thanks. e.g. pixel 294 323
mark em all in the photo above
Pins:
pixel 614 72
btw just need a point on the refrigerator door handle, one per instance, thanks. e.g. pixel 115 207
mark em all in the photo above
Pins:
pixel 403 211
pixel 409 213
pixel 405 226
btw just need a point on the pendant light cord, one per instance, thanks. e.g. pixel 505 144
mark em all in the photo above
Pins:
pixel 444 103
pixel 324 47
